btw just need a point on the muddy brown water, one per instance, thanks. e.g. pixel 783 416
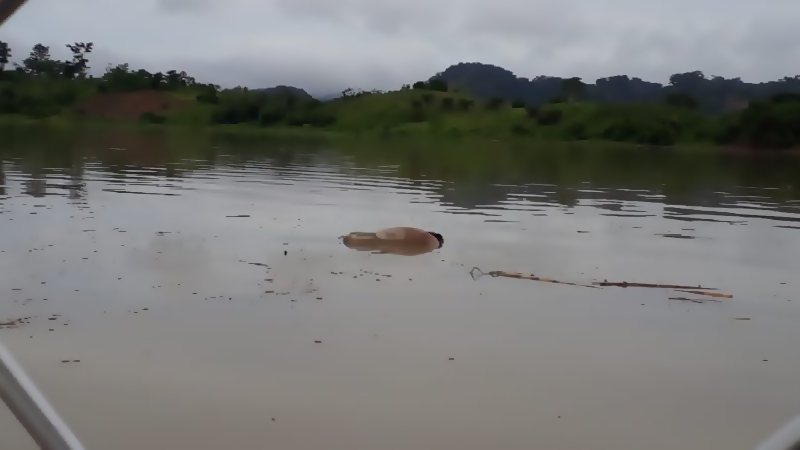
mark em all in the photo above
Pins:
pixel 185 325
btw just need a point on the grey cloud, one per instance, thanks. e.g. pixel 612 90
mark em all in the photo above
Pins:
pixel 328 45
pixel 180 6
pixel 379 16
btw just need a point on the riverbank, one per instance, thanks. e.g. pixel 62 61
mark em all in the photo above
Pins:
pixel 772 123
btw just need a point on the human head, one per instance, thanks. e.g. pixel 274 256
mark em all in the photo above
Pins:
pixel 438 238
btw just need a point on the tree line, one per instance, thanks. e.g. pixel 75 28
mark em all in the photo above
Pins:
pixel 714 94
pixel 615 108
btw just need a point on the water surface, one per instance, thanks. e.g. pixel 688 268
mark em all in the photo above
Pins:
pixel 201 286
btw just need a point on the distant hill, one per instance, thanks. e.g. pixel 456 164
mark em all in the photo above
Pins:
pixel 301 93
pixel 715 94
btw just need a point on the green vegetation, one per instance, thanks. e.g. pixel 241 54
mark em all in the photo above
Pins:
pixel 44 88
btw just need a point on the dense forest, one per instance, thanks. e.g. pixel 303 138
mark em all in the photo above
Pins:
pixel 713 94
pixel 464 100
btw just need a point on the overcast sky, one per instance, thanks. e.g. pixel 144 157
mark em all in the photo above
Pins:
pixel 326 45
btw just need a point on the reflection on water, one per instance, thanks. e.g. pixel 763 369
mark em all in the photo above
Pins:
pixel 201 284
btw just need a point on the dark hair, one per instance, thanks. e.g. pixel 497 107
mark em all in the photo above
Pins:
pixel 438 238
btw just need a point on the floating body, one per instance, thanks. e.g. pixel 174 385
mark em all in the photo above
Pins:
pixel 405 241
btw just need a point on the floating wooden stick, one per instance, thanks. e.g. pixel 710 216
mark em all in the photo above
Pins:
pixel 626 284
pixel 707 294
pixel 525 276
pixel 698 290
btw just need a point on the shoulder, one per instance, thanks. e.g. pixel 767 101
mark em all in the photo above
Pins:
pixel 399 233
pixel 391 233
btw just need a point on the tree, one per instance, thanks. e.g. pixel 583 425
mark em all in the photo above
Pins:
pixel 157 80
pixel 39 62
pixel 177 80
pixel 437 84
pixel 5 55
pixel 78 66
pixel 688 81
pixel 574 89
pixel 419 85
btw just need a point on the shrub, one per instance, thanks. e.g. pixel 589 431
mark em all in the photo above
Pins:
pixel 519 129
pixel 448 103
pixel 576 131
pixel 271 115
pixel 209 97
pixel 681 101
pixel 465 104
pixel 417 112
pixel 151 117
pixel 549 116
pixel 494 103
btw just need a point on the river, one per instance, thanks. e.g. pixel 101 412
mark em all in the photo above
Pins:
pixel 201 297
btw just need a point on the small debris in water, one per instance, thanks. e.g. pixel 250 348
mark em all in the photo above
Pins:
pixel 742 318
pixel 240 215
pixel 285 253
pixel 318 342
pixel 675 236
pixel 452 359
pixel 693 300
